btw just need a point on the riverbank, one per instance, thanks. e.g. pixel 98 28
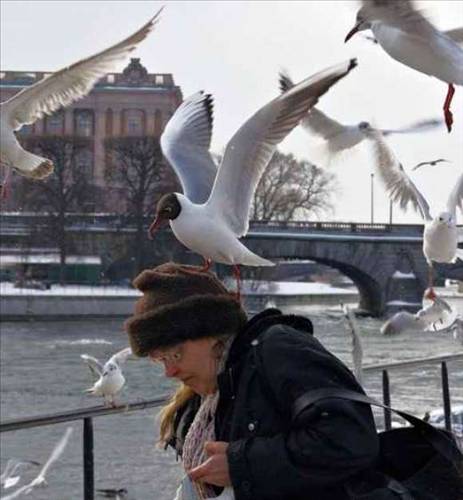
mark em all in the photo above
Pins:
pixel 89 302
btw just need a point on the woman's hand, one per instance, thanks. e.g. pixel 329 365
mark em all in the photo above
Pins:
pixel 215 469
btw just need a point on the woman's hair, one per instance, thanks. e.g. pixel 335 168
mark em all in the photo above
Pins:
pixel 167 413
pixel 183 394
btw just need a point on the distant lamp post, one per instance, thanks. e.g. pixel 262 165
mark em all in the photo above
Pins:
pixel 390 212
pixel 372 198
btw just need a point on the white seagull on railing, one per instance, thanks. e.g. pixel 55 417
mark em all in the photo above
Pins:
pixel 213 212
pixel 40 480
pixel 408 37
pixel 440 237
pixel 53 92
pixel 339 137
pixel 110 378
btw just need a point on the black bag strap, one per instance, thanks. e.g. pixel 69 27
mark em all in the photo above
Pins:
pixel 440 441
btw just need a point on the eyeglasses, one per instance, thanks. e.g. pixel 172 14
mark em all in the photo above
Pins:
pixel 169 357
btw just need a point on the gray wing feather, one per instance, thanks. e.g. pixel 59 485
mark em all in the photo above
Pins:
pixel 421 126
pixel 456 197
pixel 398 184
pixel 456 34
pixel 121 356
pixel 185 143
pixel 316 122
pixel 95 366
pixel 251 148
pixel 71 83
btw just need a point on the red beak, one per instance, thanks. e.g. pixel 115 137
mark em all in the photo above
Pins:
pixel 154 227
pixel 351 33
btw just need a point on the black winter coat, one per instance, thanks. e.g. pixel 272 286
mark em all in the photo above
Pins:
pixel 273 361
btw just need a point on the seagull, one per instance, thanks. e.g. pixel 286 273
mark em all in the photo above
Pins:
pixel 430 315
pixel 53 92
pixel 39 480
pixel 213 211
pixel 440 237
pixel 339 137
pixel 8 478
pixel 432 163
pixel 110 379
pixel 456 34
pixel 357 348
pixel 408 37
pixel 117 493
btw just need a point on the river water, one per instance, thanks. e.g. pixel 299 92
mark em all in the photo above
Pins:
pixel 41 372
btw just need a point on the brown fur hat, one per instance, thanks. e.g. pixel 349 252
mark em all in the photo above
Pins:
pixel 180 303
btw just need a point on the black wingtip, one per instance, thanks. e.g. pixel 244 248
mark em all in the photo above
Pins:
pixel 352 64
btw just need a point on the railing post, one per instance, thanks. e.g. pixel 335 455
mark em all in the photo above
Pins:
pixel 89 487
pixel 446 396
pixel 386 401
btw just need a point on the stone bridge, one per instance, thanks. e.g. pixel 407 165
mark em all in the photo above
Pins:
pixel 385 261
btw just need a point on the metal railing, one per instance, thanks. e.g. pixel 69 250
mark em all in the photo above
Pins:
pixel 87 414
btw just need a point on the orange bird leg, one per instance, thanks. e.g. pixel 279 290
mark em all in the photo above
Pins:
pixel 237 275
pixel 207 265
pixel 447 113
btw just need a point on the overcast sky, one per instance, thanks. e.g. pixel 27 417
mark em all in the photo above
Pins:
pixel 235 49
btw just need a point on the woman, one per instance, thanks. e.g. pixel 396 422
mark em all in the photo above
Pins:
pixel 231 418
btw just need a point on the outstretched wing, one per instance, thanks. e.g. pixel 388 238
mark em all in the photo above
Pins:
pixel 433 162
pixel 185 142
pixel 456 34
pixel 398 184
pixel 251 148
pixel 456 197
pixel 55 454
pixel 357 348
pixel 121 356
pixel 315 122
pixel 71 83
pixel 421 126
pixel 95 366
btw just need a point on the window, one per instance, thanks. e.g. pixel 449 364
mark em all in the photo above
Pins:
pixel 159 79
pixel 109 122
pixel 83 122
pixel 134 121
pixel 54 124
pixel 110 78
pixel 84 162
pixel 157 123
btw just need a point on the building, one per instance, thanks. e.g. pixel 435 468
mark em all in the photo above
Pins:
pixel 131 103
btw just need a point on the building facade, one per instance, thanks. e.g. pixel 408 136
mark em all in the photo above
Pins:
pixel 131 103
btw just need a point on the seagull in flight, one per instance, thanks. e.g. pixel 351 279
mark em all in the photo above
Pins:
pixel 456 34
pixel 440 237
pixel 436 312
pixel 339 137
pixel 432 163
pixel 110 378
pixel 408 37
pixel 8 479
pixel 213 211
pixel 52 93
pixel 40 480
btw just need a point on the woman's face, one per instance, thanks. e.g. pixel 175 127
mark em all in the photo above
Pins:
pixel 194 362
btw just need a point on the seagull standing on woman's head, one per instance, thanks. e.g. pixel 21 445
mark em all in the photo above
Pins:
pixel 213 213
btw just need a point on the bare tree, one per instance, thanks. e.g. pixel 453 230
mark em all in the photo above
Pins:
pixel 66 190
pixel 292 189
pixel 136 166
